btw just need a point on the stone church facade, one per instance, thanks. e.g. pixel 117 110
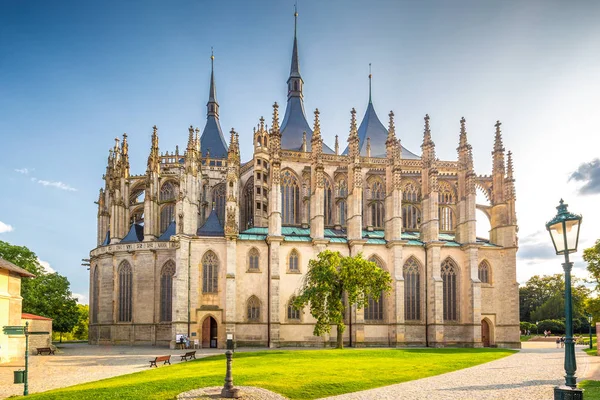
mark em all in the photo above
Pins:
pixel 205 245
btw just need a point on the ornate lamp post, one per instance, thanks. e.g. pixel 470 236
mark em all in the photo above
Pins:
pixel 590 319
pixel 564 231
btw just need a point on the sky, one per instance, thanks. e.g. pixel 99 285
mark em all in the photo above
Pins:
pixel 74 75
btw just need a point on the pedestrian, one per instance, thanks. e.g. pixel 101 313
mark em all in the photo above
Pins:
pixel 545 333
pixel 562 342
pixel 557 343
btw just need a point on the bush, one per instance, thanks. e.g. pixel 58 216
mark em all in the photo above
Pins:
pixel 527 326
pixel 553 325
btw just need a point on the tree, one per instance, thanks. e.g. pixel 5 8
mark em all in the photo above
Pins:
pixel 592 257
pixel 331 277
pixel 80 332
pixel 47 294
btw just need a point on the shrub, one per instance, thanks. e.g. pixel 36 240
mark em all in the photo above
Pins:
pixel 553 325
pixel 527 326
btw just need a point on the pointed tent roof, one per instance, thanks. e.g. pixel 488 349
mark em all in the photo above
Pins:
pixel 371 127
pixel 170 231
pixel 106 241
pixel 212 139
pixel 211 227
pixel 135 234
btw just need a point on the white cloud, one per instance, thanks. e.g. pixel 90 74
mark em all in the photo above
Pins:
pixel 23 171
pixel 5 227
pixel 56 184
pixel 81 298
pixel 46 266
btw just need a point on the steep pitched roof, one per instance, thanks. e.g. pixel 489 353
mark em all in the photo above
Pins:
pixel 211 227
pixel 170 231
pixel 7 265
pixel 135 234
pixel 212 139
pixel 33 316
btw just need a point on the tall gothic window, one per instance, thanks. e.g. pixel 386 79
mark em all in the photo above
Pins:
pixel 167 192
pixel 450 286
pixel 253 309
pixel 166 291
pixel 125 291
pixel 342 188
pixel 95 295
pixel 328 192
pixel 293 313
pixel 446 198
pixel 484 272
pixel 411 207
pixel 210 273
pixel 412 290
pixel 253 260
pixel 167 215
pixel 374 310
pixel 342 212
pixel 248 208
pixel 293 261
pixel 377 194
pixel 290 199
pixel 219 201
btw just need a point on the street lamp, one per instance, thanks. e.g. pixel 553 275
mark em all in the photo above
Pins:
pixel 590 318
pixel 564 231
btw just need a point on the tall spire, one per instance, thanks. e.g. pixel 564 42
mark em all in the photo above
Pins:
pixel 295 67
pixel 212 105
pixel 370 77
pixel 212 138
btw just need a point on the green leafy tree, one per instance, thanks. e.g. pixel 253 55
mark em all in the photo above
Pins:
pixel 80 332
pixel 592 257
pixel 332 276
pixel 47 294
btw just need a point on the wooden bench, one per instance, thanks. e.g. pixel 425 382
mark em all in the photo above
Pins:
pixel 41 350
pixel 166 359
pixel 189 354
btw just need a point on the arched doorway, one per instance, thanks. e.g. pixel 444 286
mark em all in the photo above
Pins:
pixel 485 333
pixel 209 333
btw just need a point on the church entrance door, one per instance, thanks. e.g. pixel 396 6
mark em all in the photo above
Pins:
pixel 209 333
pixel 485 333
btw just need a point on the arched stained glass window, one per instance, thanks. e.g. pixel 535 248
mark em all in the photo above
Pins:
pixel 247 207
pixel 374 310
pixel 253 258
pixel 293 313
pixel 293 264
pixel 328 203
pixel 210 273
pixel 95 294
pixel 290 199
pixel 125 291
pixel 342 188
pixel 253 309
pixel 166 291
pixel 167 192
pixel 219 201
pixel 342 212
pixel 446 193
pixel 484 272
pixel 411 207
pixel 450 286
pixel 376 209
pixel 412 290
pixel 167 215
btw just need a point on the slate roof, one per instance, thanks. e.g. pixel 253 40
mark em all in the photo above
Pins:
pixel 106 241
pixel 170 231
pixel 212 139
pixel 211 227
pixel 33 316
pixel 7 265
pixel 135 234
pixel 371 127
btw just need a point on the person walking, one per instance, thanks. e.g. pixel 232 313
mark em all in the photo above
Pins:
pixel 545 333
pixel 557 343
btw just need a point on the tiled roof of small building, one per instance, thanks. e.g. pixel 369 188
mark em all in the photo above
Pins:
pixel 33 316
pixel 7 265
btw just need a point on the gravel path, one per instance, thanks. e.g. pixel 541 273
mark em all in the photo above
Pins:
pixel 530 374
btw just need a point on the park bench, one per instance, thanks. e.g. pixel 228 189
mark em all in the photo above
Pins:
pixel 166 359
pixel 189 354
pixel 41 350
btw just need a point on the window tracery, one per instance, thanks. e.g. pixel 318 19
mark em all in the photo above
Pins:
pixel 253 258
pixel 210 273
pixel 253 309
pixel 293 313
pixel 293 261
pixel 125 291
pixel 449 277
pixel 484 272
pixel 290 199
pixel 412 290
pixel 411 206
pixel 166 291
pixel 219 201
pixel 374 310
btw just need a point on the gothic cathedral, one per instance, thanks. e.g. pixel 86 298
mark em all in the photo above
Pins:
pixel 207 246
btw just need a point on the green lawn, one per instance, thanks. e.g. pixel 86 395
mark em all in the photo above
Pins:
pixel 301 374
pixel 525 338
pixel 592 389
